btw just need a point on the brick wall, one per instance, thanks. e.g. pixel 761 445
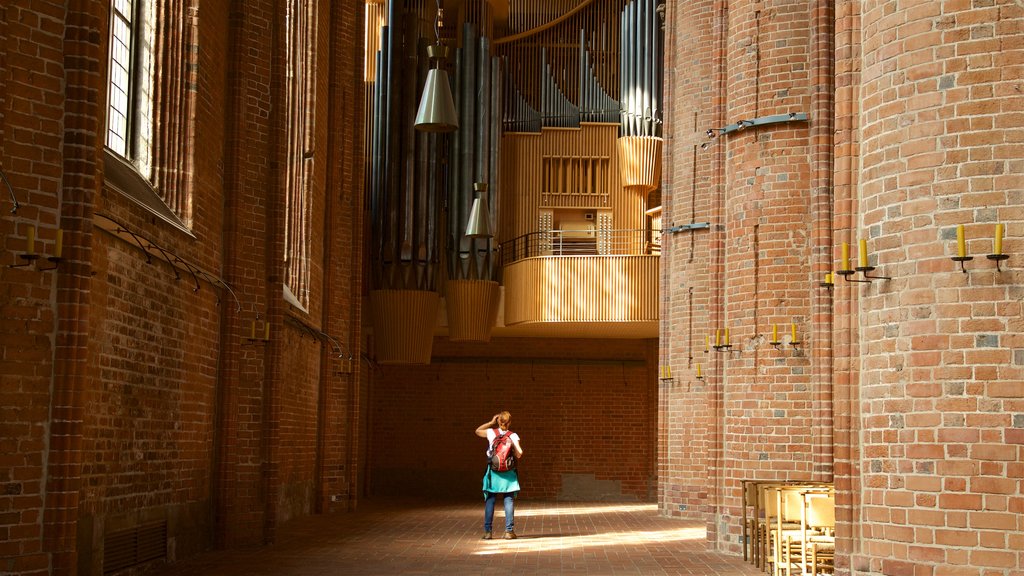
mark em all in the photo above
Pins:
pixel 129 393
pixel 941 390
pixel 758 414
pixel 585 410
pixel 31 110
pixel 908 390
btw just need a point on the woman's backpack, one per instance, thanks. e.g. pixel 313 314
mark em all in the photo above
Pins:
pixel 503 454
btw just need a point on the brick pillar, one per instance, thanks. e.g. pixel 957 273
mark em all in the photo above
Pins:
pixel 338 464
pixel 940 350
pixel 240 487
pixel 690 260
pixel 83 120
pixel 846 295
pixel 761 413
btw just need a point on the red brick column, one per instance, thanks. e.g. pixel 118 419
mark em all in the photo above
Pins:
pixel 761 413
pixel 240 497
pixel 941 367
pixel 338 464
pixel 846 295
pixel 688 450
pixel 83 122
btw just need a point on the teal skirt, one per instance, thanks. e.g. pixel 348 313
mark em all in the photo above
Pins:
pixel 500 482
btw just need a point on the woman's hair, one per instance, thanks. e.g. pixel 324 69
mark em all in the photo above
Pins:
pixel 504 419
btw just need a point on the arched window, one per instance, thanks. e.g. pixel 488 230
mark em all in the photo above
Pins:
pixel 151 70
pixel 300 44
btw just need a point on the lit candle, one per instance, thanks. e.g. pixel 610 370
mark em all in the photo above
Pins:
pixel 699 373
pixel 792 329
pixel 775 332
pixel 862 254
pixel 252 330
pixel 58 247
pixel 998 245
pixel 266 330
pixel 718 337
pixel 961 246
pixel 30 240
pixel 844 262
pixel 726 336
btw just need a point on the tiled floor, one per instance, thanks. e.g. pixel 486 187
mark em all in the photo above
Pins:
pixel 554 538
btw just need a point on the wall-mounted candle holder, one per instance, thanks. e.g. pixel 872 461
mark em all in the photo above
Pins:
pixel 776 343
pixel 828 282
pixel 257 336
pixel 961 249
pixel 997 248
pixel 665 373
pixel 720 344
pixel 700 374
pixel 794 341
pixel 30 255
pixel 862 265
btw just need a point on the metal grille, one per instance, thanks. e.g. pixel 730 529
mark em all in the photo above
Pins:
pixel 138 545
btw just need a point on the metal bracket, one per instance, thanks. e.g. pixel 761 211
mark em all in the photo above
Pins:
pixel 774 119
pixel 685 227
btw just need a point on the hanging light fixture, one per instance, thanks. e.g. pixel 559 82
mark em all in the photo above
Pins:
pixel 437 107
pixel 479 225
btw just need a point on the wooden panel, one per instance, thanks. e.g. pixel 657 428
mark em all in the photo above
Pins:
pixel 582 289
pixel 527 187
pixel 472 308
pixel 403 325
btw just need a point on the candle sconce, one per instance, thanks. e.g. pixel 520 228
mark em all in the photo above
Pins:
pixel 721 345
pixel 700 373
pixel 30 255
pixel 828 282
pixel 862 265
pixel 665 373
pixel 253 338
pixel 997 248
pixel 795 342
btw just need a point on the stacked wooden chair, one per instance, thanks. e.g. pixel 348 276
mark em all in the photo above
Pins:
pixel 789 527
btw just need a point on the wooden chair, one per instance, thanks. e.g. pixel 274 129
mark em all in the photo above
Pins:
pixel 813 546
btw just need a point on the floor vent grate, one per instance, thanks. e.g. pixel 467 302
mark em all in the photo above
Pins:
pixel 138 545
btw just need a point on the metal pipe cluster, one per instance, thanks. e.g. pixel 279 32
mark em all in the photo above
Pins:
pixel 641 68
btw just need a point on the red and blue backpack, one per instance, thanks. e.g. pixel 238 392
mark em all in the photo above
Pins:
pixel 503 454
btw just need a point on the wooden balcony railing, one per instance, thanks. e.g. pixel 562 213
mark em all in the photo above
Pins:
pixel 587 242
pixel 559 278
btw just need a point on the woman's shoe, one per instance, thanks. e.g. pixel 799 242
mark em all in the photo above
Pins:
pixel 510 535
pixel 487 536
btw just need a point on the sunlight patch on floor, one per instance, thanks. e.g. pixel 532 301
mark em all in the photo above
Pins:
pixel 597 509
pixel 550 543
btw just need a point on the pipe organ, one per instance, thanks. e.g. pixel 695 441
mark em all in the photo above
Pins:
pixel 537 84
